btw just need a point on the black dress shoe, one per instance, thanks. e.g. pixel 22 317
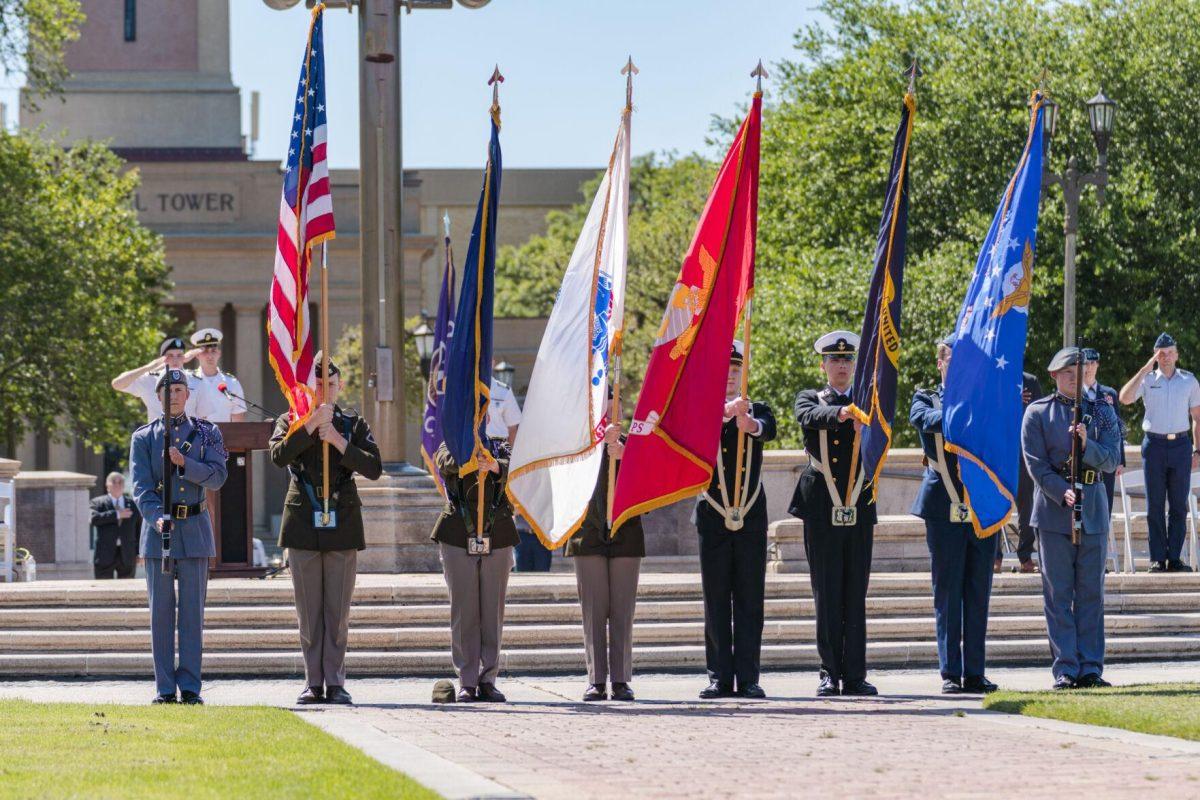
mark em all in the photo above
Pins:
pixel 1177 565
pixel 753 691
pixel 163 699
pixel 338 696
pixel 1092 681
pixel 311 696
pixel 1158 566
pixel 488 693
pixel 190 698
pixel 828 687
pixel 622 692
pixel 979 685
pixel 1063 682
pixel 859 688
pixel 595 692
pixel 716 689
pixel 467 695
pixel 952 686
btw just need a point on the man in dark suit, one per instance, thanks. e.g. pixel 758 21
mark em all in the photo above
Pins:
pixel 836 502
pixel 118 527
pixel 733 546
pixel 1098 392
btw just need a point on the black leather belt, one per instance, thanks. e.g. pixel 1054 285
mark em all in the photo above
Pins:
pixel 1169 437
pixel 182 511
pixel 1088 477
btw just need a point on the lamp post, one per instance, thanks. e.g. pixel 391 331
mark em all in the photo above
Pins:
pixel 504 372
pixel 423 336
pixel 380 189
pixel 1101 115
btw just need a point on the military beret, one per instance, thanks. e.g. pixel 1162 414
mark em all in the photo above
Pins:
pixel 1164 340
pixel 1090 355
pixel 737 353
pixel 171 377
pixel 1067 357
pixel 333 368
pixel 207 337
pixel 170 343
pixel 443 691
pixel 837 343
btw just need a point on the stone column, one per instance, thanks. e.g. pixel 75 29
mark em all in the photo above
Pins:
pixel 250 357
pixel 208 315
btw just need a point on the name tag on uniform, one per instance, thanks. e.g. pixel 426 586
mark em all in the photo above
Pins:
pixel 960 512
pixel 479 545
pixel 845 516
pixel 324 520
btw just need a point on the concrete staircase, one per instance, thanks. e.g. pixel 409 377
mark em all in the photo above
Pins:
pixel 400 624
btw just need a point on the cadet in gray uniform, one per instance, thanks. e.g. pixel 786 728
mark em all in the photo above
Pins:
pixel 1072 574
pixel 198 458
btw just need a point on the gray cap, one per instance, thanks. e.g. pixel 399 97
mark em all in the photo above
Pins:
pixel 171 377
pixel 443 691
pixel 1067 357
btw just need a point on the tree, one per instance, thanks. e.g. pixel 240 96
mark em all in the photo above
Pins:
pixel 347 354
pixel 33 34
pixel 83 290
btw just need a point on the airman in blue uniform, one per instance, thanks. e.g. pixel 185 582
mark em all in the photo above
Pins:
pixel 197 457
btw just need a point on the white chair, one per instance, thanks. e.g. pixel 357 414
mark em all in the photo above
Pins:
pixel 1127 481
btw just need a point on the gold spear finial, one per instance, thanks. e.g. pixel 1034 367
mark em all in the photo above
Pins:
pixel 495 82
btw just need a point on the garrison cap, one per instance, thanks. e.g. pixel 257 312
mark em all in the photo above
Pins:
pixel 837 343
pixel 1091 355
pixel 333 368
pixel 171 377
pixel 443 691
pixel 207 337
pixel 948 340
pixel 170 343
pixel 737 353
pixel 1164 340
pixel 1067 357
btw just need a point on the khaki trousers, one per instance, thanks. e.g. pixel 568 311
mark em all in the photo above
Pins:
pixel 477 586
pixel 608 594
pixel 324 584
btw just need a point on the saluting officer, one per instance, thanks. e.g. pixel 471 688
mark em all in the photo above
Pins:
pixel 1098 392
pixel 834 499
pixel 211 403
pixel 1072 574
pixel 1172 400
pixel 733 546
pixel 197 457
pixel 142 382
pixel 476 565
pixel 606 573
pixel 960 562
pixel 323 553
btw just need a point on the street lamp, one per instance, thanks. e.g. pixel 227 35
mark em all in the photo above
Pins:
pixel 504 372
pixel 423 336
pixel 1101 114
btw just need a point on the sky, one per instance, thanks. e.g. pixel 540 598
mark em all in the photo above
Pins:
pixel 561 60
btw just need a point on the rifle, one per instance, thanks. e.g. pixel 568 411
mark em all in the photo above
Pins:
pixel 168 468
pixel 1076 452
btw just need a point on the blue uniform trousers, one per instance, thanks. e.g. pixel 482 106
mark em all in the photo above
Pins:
pixel 1073 594
pixel 961 564
pixel 1168 466
pixel 532 555
pixel 186 615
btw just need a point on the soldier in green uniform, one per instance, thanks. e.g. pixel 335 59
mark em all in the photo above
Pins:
pixel 476 566
pixel 323 554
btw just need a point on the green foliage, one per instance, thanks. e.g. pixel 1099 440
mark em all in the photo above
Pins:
pixel 33 34
pixel 83 290
pixel 347 353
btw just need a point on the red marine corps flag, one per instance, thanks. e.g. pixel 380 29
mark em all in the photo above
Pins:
pixel 676 429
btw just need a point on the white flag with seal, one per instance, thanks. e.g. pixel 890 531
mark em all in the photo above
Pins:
pixel 555 462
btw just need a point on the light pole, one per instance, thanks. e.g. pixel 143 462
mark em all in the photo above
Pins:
pixel 381 233
pixel 1101 114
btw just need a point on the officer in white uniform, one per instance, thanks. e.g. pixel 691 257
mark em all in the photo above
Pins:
pixel 141 381
pixel 504 413
pixel 211 403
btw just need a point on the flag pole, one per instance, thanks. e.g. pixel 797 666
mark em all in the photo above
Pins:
pixel 494 82
pixel 758 74
pixel 614 409
pixel 325 373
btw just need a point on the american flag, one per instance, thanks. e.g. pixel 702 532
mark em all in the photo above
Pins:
pixel 305 220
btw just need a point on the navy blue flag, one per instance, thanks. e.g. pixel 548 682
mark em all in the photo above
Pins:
pixel 982 401
pixel 874 393
pixel 469 363
pixel 435 391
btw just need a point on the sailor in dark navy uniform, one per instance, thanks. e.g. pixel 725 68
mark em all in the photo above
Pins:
pixel 835 500
pixel 960 562
pixel 733 546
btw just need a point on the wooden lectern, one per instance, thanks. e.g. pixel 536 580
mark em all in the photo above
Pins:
pixel 232 508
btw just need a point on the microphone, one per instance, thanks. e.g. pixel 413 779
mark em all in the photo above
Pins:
pixel 223 388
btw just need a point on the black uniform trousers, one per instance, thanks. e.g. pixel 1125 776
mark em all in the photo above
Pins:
pixel 961 567
pixel 839 563
pixel 733 573
pixel 1168 468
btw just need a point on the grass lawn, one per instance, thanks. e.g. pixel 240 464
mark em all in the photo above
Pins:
pixel 1169 709
pixel 70 750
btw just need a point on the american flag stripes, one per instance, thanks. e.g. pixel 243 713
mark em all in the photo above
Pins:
pixel 305 220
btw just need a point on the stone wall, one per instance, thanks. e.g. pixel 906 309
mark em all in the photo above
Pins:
pixel 54 522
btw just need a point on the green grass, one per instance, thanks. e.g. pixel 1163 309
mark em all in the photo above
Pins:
pixel 82 751
pixel 1168 709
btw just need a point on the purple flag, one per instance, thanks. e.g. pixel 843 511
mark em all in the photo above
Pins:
pixel 443 331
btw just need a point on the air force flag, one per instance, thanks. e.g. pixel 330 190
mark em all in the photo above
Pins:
pixel 982 401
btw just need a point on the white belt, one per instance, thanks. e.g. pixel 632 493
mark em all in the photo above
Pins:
pixel 733 516
pixel 830 484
